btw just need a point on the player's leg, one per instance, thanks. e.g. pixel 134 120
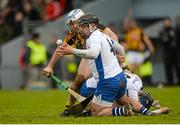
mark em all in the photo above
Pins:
pixel 70 99
pixel 84 69
pixel 88 88
pixel 83 73
pixel 106 93
pixel 139 108
pixel 125 110
pixel 147 101
pixel 133 100
pixel 162 110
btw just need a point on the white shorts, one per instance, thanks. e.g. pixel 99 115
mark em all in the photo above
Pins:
pixel 134 85
pixel 91 83
pixel 133 94
pixel 135 57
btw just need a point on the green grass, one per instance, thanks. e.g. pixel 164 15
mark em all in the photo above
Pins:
pixel 44 106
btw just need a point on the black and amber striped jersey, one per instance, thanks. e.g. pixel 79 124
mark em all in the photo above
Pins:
pixel 134 39
pixel 76 41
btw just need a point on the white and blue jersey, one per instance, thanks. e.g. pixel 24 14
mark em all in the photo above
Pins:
pixel 134 85
pixel 111 82
pixel 106 64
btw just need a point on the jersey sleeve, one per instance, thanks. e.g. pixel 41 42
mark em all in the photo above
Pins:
pixel 75 40
pixel 119 48
pixel 92 51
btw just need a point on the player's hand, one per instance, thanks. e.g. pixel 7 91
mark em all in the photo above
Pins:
pixel 47 71
pixel 121 59
pixel 58 52
pixel 65 49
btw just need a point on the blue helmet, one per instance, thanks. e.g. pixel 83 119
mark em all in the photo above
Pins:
pixel 146 100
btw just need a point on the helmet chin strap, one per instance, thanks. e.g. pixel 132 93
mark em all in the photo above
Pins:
pixel 91 29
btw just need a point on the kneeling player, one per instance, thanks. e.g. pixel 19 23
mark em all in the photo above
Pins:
pixel 134 91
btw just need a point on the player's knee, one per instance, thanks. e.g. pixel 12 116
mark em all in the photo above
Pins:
pixel 105 112
pixel 96 109
pixel 80 77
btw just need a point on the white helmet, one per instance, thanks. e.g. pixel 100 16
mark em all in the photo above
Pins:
pixel 74 15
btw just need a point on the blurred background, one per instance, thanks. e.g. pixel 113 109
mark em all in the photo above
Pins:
pixel 44 21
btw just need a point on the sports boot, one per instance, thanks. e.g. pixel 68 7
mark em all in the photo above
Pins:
pixel 65 113
pixel 84 113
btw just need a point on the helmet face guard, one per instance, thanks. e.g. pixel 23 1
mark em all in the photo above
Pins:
pixel 87 20
pixel 146 100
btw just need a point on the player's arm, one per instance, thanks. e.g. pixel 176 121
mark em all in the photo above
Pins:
pixel 91 53
pixel 54 59
pixel 68 39
pixel 107 31
pixel 148 42
pixel 48 70
pixel 88 53
pixel 120 53
pixel 119 48
pixel 110 33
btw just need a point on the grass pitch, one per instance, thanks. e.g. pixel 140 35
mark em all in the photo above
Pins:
pixel 43 107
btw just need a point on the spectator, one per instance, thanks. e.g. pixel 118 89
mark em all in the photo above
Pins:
pixel 178 45
pixel 8 15
pixel 170 51
pixel 16 4
pixel 63 4
pixel 18 23
pixel 57 68
pixel 15 12
pixel 30 12
pixel 22 62
pixel 68 6
pixel 39 5
pixel 136 41
pixel 0 67
pixel 52 10
pixel 5 31
pixel 13 16
pixel 178 33
pixel 36 57
pixel 146 69
pixel 3 4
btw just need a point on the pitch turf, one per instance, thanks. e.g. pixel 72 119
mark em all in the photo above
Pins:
pixel 44 106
